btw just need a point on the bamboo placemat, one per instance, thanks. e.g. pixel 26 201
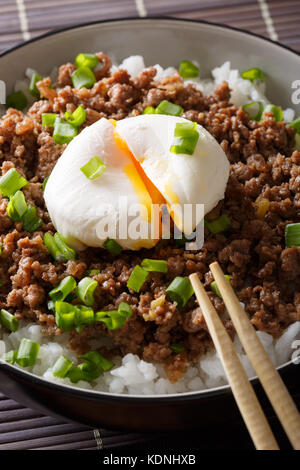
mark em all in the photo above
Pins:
pixel 22 428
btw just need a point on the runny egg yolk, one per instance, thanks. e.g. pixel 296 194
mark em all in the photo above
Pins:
pixel 155 195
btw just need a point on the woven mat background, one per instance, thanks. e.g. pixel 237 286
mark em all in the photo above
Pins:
pixel 22 428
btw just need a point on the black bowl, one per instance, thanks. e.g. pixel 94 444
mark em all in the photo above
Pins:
pixel 181 39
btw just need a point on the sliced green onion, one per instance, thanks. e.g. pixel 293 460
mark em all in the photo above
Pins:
pixel 44 183
pixel 98 360
pixel 115 319
pixel 185 138
pixel 8 320
pixel 166 107
pixel 11 182
pixel 177 348
pixel 16 100
pixel 83 77
pixel 292 235
pixel 137 278
pixel 253 74
pixel 85 371
pixel 112 246
pixel 112 319
pixel 215 289
pixel 149 110
pixel 180 290
pixel 296 125
pixel 63 289
pixel 92 272
pixel 62 367
pixel 93 168
pixel 84 315
pixel 31 221
pixel 85 290
pixel 221 224
pixel 53 249
pixel 27 353
pixel 276 110
pixel 159 266
pixel 17 206
pixel 125 310
pixel 77 118
pixel 63 132
pixel 10 356
pixel 48 119
pixel 256 107
pixel 188 70
pixel 65 315
pixel 86 60
pixel 67 252
pixel 32 87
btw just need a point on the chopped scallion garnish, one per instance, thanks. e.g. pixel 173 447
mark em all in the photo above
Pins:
pixel 85 290
pixel 86 60
pixel 8 320
pixel 31 221
pixel 292 235
pixel 16 100
pixel 112 246
pixel 93 168
pixel 63 289
pixel 149 110
pixel 214 286
pixel 188 70
pixel 253 74
pixel 48 119
pixel 159 266
pixel 10 356
pixel 137 278
pixel 65 315
pixel 115 319
pixel 84 316
pixel 27 353
pixel 98 360
pixel 32 87
pixel 276 110
pixel 77 118
pixel 85 371
pixel 67 252
pixel 185 138
pixel 166 107
pixel 83 77
pixel 219 225
pixel 11 182
pixel 180 290
pixel 177 348
pixel 63 131
pixel 44 183
pixel 62 367
pixel 296 125
pixel 16 207
pixel 254 110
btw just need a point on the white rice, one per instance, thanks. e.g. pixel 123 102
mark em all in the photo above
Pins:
pixel 130 374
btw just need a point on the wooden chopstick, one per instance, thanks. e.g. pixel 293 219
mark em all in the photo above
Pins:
pixel 243 392
pixel 270 379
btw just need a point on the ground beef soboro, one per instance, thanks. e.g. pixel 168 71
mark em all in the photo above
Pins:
pixel 264 273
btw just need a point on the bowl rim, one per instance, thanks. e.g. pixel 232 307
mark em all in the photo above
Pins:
pixel 116 397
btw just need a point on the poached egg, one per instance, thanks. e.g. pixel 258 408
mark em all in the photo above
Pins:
pixel 140 172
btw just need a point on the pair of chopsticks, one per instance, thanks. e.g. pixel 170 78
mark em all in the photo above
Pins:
pixel 243 392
